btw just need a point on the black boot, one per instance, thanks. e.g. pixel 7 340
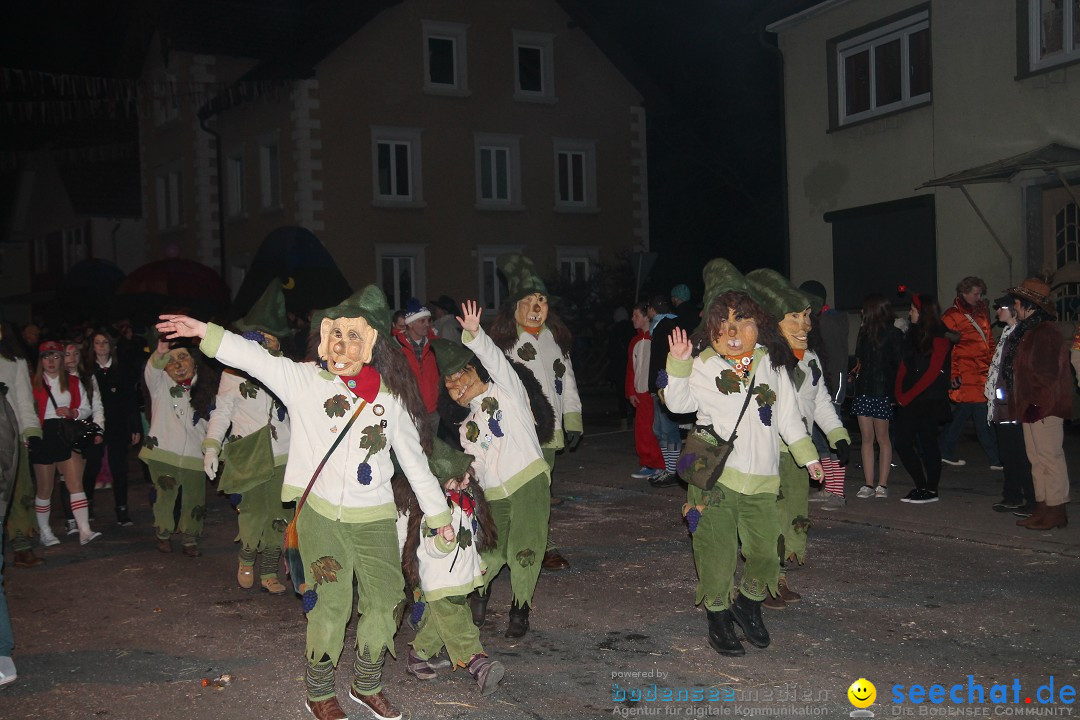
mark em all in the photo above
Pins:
pixel 519 621
pixel 747 613
pixel 722 634
pixel 478 605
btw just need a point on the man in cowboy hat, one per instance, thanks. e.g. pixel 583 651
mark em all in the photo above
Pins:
pixel 1036 389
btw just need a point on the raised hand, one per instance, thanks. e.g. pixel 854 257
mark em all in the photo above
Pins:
pixel 679 344
pixel 174 326
pixel 470 316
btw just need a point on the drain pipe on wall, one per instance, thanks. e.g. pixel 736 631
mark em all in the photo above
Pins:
pixel 220 197
pixel 775 50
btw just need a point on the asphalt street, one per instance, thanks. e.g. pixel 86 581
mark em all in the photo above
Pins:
pixel 905 596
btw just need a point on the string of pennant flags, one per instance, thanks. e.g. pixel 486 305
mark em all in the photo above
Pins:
pixel 37 96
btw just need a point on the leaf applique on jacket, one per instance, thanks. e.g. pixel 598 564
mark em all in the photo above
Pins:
pixel 559 367
pixel 728 383
pixel 150 442
pixel 764 395
pixel 372 439
pixel 527 352
pixel 248 389
pixel 526 557
pixel 472 431
pixel 336 406
pixel 176 391
pixel 815 372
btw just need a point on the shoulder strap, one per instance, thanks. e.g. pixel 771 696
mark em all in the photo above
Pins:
pixel 977 328
pixel 746 403
pixel 333 447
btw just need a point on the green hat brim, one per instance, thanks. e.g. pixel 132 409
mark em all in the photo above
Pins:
pixel 268 314
pixel 447 463
pixel 776 294
pixel 368 303
pixel 451 356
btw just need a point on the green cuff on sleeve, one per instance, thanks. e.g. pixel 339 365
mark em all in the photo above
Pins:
pixel 437 521
pixel 466 336
pixel 31 432
pixel 840 433
pixel 804 452
pixel 679 368
pixel 442 546
pixel 211 444
pixel 159 362
pixel 212 341
pixel 572 422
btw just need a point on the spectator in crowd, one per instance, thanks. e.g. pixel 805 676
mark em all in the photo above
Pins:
pixel 444 316
pixel 971 357
pixel 637 393
pixel 1018 492
pixel 415 342
pixel 92 453
pixel 1039 390
pixel 619 336
pixel 9 459
pixel 877 356
pixel 665 425
pixel 921 389
pixel 687 313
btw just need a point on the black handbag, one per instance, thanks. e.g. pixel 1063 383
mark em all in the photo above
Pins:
pixel 77 434
pixel 704 454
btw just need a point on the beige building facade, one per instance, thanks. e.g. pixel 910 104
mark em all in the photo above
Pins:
pixel 435 137
pixel 883 97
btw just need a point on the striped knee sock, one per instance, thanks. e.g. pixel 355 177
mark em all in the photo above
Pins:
pixel 80 508
pixel 319 680
pixel 367 673
pixel 834 476
pixel 671 457
pixel 43 509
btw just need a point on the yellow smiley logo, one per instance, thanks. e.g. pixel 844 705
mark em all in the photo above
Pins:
pixel 862 693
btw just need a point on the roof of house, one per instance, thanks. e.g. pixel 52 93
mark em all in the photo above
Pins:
pixel 1048 157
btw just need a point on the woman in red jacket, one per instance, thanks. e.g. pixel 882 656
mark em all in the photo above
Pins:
pixel 922 386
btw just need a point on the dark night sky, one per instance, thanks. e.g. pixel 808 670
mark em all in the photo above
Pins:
pixel 715 139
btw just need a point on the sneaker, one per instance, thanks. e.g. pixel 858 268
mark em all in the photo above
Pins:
pixel 1007 505
pixel 1024 511
pixel 122 517
pixel 997 467
pixel 7 670
pixel 956 463
pixel 664 479
pixel 866 491
pixel 72 527
pixel 419 668
pixel 644 473
pixel 47 538
pixel 919 496
pixel 88 537
pixel 881 492
pixel 833 502
pixel 377 704
pixel 819 496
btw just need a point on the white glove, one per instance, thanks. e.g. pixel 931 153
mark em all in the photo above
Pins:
pixel 210 462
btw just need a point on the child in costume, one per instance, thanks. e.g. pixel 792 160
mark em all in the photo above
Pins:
pixel 445 572
pixel 526 329
pixel 181 393
pixel 15 386
pixel 747 360
pixel 362 389
pixel 257 447
pixel 791 309
pixel 501 434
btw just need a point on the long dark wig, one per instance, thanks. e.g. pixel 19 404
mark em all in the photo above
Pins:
pixel 395 372
pixel 9 346
pixel 485 537
pixel 780 355
pixel 543 414
pixel 504 329
pixel 203 389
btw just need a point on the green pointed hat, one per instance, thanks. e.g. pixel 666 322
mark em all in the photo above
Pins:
pixel 451 356
pixel 776 294
pixel 446 462
pixel 521 276
pixel 368 303
pixel 268 313
pixel 720 276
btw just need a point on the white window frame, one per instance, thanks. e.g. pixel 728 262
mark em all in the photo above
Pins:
pixel 456 33
pixel 587 149
pixel 416 252
pixel 511 146
pixel 573 256
pixel 398 136
pixel 234 183
pixel 486 256
pixel 899 30
pixel 545 43
pixel 1070 45
pixel 270 192
pixel 169 195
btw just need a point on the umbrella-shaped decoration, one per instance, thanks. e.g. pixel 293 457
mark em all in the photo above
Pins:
pixel 172 284
pixel 88 289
